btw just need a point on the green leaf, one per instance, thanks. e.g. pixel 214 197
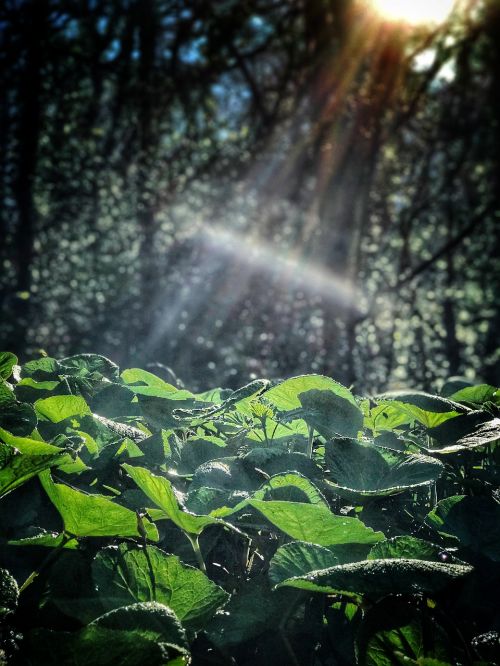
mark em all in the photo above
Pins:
pixel 197 451
pixel 288 462
pixel 396 632
pixel 113 400
pixel 486 434
pixel 7 362
pixel 146 633
pixel 364 470
pixel 29 390
pixel 477 395
pixel 427 402
pixel 226 474
pixel 285 396
pixel 430 410
pixel 136 376
pixel 16 468
pixel 42 369
pixel 153 619
pixel 386 417
pixel 46 540
pixel 483 435
pixel 458 427
pixel 315 524
pixel 290 486
pixel 33 447
pixel 96 646
pixel 158 405
pixel 93 515
pixel 57 408
pixel 299 558
pixel 454 384
pixel 291 483
pixel 251 612
pixel 87 364
pixel 19 418
pixel 160 491
pixel 377 578
pixel 6 394
pixel 474 521
pixel 328 413
pixel 410 548
pixel 126 574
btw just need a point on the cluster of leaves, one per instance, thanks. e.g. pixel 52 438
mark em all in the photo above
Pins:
pixel 285 523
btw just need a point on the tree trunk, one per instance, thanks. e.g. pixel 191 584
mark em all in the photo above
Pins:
pixel 29 125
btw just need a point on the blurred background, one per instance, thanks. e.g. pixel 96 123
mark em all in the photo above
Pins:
pixel 243 188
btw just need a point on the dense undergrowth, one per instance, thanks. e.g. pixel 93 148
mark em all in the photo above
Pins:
pixel 282 523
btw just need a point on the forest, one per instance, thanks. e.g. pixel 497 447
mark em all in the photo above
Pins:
pixel 237 189
pixel 249 360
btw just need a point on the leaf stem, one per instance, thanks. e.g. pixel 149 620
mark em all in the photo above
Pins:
pixel 193 540
pixel 45 563
pixel 310 440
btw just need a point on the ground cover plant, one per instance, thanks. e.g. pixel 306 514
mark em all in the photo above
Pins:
pixel 285 522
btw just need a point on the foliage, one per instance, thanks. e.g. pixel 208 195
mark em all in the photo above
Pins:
pixel 259 188
pixel 284 523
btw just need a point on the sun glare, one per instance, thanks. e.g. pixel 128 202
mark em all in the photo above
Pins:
pixel 414 11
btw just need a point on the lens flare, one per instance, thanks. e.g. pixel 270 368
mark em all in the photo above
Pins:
pixel 414 12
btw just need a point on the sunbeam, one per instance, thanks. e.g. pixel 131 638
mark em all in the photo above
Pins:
pixel 414 13
pixel 288 270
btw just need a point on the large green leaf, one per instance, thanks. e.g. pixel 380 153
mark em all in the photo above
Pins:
pixel 198 450
pixel 458 427
pixel 362 470
pixel 285 396
pixel 377 578
pixel 397 632
pixel 483 434
pixel 229 473
pixel 29 446
pixel 290 486
pixel 21 459
pixel 126 574
pixel 29 390
pixel 19 418
pixel 476 395
pixel 385 417
pixel 328 413
pixel 7 362
pixel 98 646
pixel 158 405
pixel 410 548
pixel 161 492
pixel 137 377
pixel 93 515
pixel 143 633
pixel 315 524
pixel 251 612
pixel 42 369
pixel 429 410
pixel 90 364
pixel 474 521
pixel 299 558
pixel 60 407
pixel 6 394
pixel 46 539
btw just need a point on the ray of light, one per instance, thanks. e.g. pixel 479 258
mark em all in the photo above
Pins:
pixel 293 272
pixel 414 12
